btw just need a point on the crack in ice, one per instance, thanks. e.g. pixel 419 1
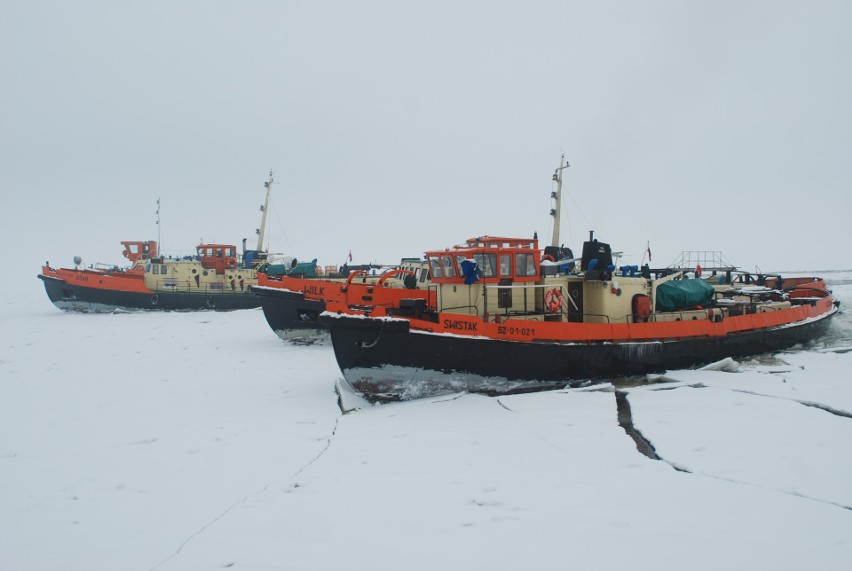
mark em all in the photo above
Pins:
pixel 646 447
pixel 770 489
pixel 824 407
pixel 245 499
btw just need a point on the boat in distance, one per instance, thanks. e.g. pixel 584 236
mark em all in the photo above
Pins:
pixel 217 277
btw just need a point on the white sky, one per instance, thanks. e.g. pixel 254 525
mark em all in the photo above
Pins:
pixel 396 127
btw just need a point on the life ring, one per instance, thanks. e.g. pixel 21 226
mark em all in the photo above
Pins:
pixel 553 300
pixel 548 257
pixel 231 262
pixel 155 299
pixel 697 271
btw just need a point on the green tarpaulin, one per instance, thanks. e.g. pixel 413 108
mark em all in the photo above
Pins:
pixel 678 294
pixel 301 269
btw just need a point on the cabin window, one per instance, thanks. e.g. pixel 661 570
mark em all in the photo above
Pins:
pixel 164 269
pixel 435 264
pixel 487 264
pixel 155 269
pixel 524 265
pixel 459 260
pixel 449 268
pixel 506 265
pixel 424 275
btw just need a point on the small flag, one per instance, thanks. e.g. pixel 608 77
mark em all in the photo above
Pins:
pixel 350 255
pixel 649 251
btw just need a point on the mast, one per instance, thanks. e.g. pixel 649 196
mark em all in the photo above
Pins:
pixel 556 195
pixel 264 209
pixel 159 240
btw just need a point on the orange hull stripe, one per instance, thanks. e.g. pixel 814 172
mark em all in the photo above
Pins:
pixel 131 281
pixel 527 331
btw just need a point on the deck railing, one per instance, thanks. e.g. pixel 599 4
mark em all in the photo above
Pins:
pixel 567 309
pixel 168 285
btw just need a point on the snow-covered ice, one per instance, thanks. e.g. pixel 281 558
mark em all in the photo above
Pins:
pixel 176 441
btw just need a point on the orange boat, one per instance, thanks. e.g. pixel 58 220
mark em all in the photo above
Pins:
pixel 216 277
pixel 508 316
pixel 292 303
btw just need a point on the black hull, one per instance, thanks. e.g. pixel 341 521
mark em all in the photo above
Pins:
pixel 71 297
pixel 290 315
pixel 383 360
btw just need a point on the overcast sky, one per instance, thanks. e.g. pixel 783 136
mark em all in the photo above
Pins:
pixel 396 127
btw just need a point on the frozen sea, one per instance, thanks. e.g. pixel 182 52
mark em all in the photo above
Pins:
pixel 194 441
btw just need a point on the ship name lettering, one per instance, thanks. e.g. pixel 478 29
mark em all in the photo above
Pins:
pixel 460 325
pixel 314 290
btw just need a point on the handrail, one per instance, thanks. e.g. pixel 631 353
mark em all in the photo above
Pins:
pixel 205 288
pixel 391 274
pixel 543 286
pixel 353 275
pixel 429 297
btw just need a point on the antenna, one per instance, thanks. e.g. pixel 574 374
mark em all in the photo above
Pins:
pixel 556 195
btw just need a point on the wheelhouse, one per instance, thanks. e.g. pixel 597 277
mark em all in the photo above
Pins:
pixel 496 261
pixel 217 256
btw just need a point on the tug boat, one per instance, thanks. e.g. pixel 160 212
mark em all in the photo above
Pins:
pixel 508 316
pixel 293 301
pixel 216 277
